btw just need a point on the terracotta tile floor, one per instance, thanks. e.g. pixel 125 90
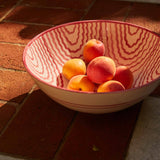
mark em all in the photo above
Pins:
pixel 32 126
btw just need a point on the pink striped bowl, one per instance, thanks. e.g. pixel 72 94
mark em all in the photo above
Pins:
pixel 128 44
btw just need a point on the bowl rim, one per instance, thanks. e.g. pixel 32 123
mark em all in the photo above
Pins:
pixel 77 22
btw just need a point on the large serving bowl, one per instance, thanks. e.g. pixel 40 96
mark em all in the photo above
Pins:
pixel 128 44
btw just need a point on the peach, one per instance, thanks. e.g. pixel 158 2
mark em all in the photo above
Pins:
pixel 92 49
pixel 101 69
pixel 73 67
pixel 81 83
pixel 110 86
pixel 124 75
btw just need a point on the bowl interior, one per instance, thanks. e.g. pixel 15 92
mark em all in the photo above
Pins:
pixel 128 44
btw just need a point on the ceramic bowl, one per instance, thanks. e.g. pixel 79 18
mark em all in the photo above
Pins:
pixel 128 44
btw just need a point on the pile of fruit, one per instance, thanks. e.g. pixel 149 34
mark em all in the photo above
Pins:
pixel 96 73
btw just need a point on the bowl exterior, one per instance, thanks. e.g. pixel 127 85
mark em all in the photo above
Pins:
pixel 97 103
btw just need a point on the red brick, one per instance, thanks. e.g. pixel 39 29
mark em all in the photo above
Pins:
pixel 100 137
pixel 6 112
pixel 14 85
pixel 6 3
pixel 75 4
pixel 44 15
pixel 3 11
pixel 38 128
pixel 19 33
pixel 146 15
pixel 103 9
pixel 11 56
pixel 156 92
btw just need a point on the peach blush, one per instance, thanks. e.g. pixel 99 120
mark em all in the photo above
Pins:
pixel 92 49
pixel 101 69
pixel 73 67
pixel 110 86
pixel 81 83
pixel 124 75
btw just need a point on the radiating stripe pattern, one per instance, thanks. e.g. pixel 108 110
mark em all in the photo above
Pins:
pixel 127 44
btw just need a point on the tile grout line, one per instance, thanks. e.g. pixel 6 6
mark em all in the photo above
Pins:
pixel 127 13
pixel 29 23
pixel 132 132
pixel 9 102
pixel 15 157
pixel 12 8
pixel 17 44
pixel 12 70
pixel 32 89
pixel 87 10
pixel 18 108
pixel 62 142
pixel 48 7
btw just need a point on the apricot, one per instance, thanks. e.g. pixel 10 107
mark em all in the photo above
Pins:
pixel 110 86
pixel 74 67
pixel 81 83
pixel 101 69
pixel 92 49
pixel 124 75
